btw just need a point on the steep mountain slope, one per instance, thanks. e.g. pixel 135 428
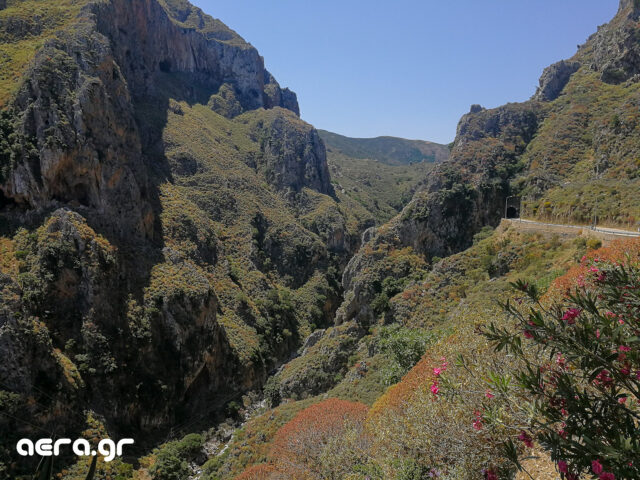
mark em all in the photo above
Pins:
pixel 169 231
pixel 569 153
pixel 379 176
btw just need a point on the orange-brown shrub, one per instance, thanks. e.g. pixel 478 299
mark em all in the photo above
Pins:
pixel 258 472
pixel 615 252
pixel 298 446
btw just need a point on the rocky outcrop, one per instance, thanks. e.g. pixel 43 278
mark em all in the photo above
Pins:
pixel 461 196
pixel 554 79
pixel 320 364
pixel 149 41
pixel 292 154
pixel 278 97
pixel 78 142
pixel 629 7
pixel 614 50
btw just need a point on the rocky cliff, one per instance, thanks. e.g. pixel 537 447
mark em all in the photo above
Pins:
pixel 167 221
pixel 461 196
pixel 569 154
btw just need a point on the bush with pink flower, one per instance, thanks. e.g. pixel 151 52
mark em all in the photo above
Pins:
pixel 581 373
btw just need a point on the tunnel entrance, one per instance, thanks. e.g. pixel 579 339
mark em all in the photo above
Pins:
pixel 512 207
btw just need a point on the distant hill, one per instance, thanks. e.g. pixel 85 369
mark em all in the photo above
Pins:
pixel 389 150
pixel 377 177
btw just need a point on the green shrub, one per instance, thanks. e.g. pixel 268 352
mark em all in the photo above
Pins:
pixel 172 458
pixel 581 373
pixel 403 347
pixel 272 392
pixel 594 243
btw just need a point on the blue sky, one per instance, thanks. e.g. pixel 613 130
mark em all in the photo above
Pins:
pixel 409 68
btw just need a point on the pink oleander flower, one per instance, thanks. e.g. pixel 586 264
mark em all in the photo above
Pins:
pixel 603 378
pixel 477 424
pixel 596 466
pixel 435 389
pixel 488 394
pixel 624 348
pixel 571 315
pixel 491 475
pixel 528 334
pixel 445 364
pixel 437 371
pixel 525 438
pixel 622 400
pixel 563 467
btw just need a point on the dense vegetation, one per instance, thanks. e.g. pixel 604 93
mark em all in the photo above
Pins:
pixel 373 190
pixel 181 261
pixel 25 25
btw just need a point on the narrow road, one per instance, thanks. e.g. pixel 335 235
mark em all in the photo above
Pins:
pixel 611 231
pixel 605 235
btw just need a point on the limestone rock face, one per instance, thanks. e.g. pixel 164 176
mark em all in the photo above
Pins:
pixel 293 155
pixel 75 114
pixel 80 143
pixel 629 6
pixel 616 50
pixel 149 41
pixel 277 97
pixel 554 79
pixel 118 309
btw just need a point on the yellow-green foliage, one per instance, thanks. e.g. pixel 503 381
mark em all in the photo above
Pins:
pixel 116 469
pixel 588 144
pixel 25 25
pixel 374 190
pixel 406 427
pixel 171 280
pixel 479 272
pixel 8 261
pixel 69 369
pixel 185 227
